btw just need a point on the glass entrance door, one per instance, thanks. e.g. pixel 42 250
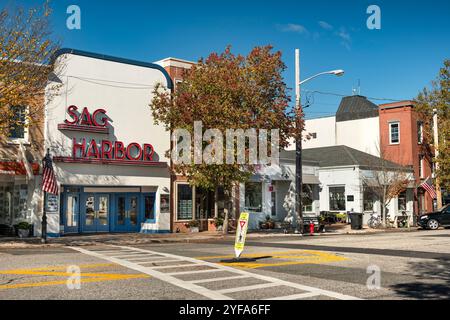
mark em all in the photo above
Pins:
pixel 95 213
pixel 72 213
pixel 127 212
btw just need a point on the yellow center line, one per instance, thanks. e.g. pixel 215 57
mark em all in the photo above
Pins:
pixel 64 282
pixel 84 266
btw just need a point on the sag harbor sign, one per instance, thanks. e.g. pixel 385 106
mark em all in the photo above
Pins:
pixel 104 151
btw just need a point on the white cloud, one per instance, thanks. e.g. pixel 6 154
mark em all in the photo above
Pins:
pixel 344 35
pixel 291 27
pixel 325 25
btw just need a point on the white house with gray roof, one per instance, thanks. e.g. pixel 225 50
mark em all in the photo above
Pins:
pixel 337 179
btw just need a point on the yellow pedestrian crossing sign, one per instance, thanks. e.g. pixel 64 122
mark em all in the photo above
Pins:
pixel 241 234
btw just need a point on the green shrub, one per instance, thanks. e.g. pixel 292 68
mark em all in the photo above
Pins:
pixel 23 225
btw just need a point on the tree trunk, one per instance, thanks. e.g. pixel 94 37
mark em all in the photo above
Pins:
pixel 227 209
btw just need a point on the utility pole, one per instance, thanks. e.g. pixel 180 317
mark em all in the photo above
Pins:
pixel 436 154
pixel 298 147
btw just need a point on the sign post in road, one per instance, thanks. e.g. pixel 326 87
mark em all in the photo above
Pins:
pixel 241 234
pixel 239 244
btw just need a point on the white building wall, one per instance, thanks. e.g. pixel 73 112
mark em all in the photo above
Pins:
pixel 361 134
pixel 347 177
pixel 125 92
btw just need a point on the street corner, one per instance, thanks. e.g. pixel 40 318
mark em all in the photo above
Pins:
pixel 278 259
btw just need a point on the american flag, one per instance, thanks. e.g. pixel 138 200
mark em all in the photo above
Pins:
pixel 49 183
pixel 428 186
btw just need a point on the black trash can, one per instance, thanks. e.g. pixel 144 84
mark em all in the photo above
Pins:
pixel 356 220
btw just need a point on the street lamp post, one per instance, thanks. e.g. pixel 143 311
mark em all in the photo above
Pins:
pixel 298 142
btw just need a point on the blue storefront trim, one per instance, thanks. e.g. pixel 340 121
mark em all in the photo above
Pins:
pixel 115 59
pixel 155 231
pixel 53 235
pixel 113 211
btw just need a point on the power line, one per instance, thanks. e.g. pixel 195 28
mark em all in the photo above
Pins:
pixel 346 95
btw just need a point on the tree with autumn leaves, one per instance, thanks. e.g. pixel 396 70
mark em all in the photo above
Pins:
pixel 228 91
pixel 26 50
pixel 438 98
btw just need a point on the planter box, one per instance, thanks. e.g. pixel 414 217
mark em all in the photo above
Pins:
pixel 23 233
pixel 194 229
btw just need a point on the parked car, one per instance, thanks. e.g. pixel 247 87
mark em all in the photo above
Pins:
pixel 436 219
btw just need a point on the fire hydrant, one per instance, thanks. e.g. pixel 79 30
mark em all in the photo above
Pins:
pixel 311 228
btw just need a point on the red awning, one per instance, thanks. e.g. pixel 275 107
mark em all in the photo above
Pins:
pixel 17 168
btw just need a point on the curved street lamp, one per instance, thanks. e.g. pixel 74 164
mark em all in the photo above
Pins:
pixel 298 148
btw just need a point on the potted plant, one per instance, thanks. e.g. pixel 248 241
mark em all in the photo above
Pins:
pixel 218 223
pixel 263 225
pixel 270 223
pixel 194 226
pixel 23 229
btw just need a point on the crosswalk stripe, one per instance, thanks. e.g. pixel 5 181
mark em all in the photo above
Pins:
pixel 193 272
pixel 247 288
pixel 174 266
pixel 218 279
pixel 296 296
pixel 194 286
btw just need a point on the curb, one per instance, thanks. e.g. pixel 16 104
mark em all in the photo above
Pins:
pixel 35 243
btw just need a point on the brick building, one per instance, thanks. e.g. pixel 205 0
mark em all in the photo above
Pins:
pixel 401 141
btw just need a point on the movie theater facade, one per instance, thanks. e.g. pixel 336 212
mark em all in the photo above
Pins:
pixel 109 156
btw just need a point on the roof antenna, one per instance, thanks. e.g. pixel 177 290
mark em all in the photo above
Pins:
pixel 353 91
pixel 359 87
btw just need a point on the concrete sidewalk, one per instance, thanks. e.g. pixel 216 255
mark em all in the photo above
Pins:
pixel 138 238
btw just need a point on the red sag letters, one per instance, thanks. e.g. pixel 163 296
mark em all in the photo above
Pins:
pixel 105 150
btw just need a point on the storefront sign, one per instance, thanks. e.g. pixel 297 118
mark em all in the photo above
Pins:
pixel 241 234
pixel 52 203
pixel 165 203
pixel 85 121
pixel 104 151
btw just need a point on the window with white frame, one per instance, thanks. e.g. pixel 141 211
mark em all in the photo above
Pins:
pixel 18 131
pixel 369 199
pixel 394 133
pixel 402 201
pixel 307 198
pixel 421 171
pixel 419 132
pixel 253 196
pixel 184 202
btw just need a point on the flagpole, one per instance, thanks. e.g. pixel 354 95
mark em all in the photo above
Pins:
pixel 44 211
pixel 44 220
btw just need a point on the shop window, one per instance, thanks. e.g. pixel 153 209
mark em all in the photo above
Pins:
pixel 394 133
pixel 184 199
pixel 368 200
pixel 307 198
pixel 419 132
pixel 253 196
pixel 421 173
pixel 6 196
pixel 17 129
pixel 149 207
pixel 402 201
pixel 337 198
pixel 72 211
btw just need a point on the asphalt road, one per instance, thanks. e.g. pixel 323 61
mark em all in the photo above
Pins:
pixel 413 265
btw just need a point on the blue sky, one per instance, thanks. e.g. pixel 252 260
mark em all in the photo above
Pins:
pixel 394 62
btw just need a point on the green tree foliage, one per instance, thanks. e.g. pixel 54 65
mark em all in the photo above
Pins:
pixel 26 48
pixel 228 91
pixel 438 97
